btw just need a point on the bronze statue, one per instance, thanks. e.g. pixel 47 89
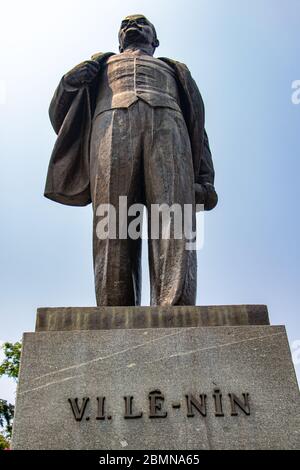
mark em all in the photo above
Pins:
pixel 132 125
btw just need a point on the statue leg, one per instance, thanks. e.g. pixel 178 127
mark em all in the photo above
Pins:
pixel 115 171
pixel 169 179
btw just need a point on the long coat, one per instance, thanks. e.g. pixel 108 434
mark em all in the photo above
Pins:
pixel 71 114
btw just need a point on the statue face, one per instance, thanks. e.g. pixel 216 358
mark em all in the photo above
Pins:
pixel 136 30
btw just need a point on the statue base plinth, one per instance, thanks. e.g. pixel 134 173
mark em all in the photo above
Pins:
pixel 185 378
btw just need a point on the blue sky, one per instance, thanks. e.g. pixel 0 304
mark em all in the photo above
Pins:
pixel 244 56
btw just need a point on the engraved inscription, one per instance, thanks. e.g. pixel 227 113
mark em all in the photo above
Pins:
pixel 156 406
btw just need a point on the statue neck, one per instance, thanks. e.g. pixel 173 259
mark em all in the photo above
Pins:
pixel 139 50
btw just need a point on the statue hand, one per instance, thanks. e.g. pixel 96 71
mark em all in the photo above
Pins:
pixel 82 74
pixel 206 194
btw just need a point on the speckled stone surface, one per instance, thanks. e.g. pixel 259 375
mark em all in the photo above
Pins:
pixel 106 318
pixel 59 365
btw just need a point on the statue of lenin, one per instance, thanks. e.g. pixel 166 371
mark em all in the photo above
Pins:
pixel 132 125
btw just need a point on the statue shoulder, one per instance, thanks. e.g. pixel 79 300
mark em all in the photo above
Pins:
pixel 99 56
pixel 175 63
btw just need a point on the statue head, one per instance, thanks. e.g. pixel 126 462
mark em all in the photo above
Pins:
pixel 137 31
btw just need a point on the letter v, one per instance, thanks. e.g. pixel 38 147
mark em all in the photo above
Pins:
pixel 78 412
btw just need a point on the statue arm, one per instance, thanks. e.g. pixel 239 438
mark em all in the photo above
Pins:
pixel 204 187
pixel 194 112
pixel 205 192
pixel 60 104
pixel 77 78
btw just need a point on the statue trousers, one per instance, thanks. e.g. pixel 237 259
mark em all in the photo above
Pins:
pixel 142 153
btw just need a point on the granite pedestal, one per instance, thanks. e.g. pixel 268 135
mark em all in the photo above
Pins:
pixel 156 378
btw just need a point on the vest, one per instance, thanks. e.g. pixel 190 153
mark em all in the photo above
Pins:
pixel 126 79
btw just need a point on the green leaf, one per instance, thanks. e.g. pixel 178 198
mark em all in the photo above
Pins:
pixel 6 417
pixel 4 443
pixel 11 363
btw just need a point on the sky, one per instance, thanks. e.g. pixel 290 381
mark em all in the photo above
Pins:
pixel 244 56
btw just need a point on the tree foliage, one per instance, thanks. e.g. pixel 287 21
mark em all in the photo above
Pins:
pixel 6 417
pixel 11 363
pixel 10 366
pixel 4 443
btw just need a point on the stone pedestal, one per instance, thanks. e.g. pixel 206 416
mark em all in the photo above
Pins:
pixel 157 378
